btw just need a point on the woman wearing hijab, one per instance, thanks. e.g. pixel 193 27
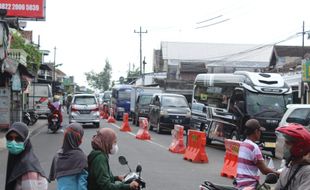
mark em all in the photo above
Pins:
pixel 69 165
pixel 23 169
pixel 100 176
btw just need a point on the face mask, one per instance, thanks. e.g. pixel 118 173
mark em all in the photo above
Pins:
pixel 114 149
pixel 15 147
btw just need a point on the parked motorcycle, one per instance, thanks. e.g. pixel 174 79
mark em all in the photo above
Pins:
pixel 132 176
pixel 54 122
pixel 33 117
pixel 26 118
pixel 271 178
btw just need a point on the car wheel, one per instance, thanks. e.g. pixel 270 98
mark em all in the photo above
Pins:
pixel 208 139
pixel 150 126
pixel 137 120
pixel 133 119
pixel 158 129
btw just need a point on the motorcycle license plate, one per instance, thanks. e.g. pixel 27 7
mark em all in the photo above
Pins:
pixel 55 120
pixel 270 144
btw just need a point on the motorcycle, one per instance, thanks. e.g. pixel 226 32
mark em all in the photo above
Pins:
pixel 271 178
pixel 26 118
pixel 132 176
pixel 54 122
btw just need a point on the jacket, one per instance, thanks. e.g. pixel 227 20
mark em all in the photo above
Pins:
pixel 100 176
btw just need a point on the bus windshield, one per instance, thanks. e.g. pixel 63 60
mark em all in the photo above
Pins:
pixel 266 105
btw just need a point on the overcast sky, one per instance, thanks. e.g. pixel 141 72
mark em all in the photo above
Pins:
pixel 88 32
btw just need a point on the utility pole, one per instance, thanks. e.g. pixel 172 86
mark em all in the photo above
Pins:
pixel 140 33
pixel 54 65
pixel 302 89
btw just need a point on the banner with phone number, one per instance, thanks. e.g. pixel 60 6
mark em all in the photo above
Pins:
pixel 34 9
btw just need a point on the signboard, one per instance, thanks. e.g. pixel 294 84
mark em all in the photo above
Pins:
pixel 24 9
pixel 306 71
pixel 5 107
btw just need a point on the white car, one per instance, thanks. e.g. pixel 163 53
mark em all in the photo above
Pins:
pixel 84 109
pixel 295 113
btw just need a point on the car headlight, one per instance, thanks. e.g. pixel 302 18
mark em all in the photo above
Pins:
pixel 120 109
pixel 188 114
pixel 164 112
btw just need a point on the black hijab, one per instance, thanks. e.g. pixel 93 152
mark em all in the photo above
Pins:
pixel 24 162
pixel 70 159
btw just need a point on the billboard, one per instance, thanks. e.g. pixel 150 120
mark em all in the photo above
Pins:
pixel 24 9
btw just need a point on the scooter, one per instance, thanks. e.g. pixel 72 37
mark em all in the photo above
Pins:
pixel 26 118
pixel 33 117
pixel 54 122
pixel 271 178
pixel 132 176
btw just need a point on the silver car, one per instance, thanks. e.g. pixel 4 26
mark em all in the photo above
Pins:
pixel 84 109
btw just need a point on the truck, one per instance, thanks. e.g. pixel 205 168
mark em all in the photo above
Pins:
pixel 140 100
pixel 120 100
pixel 39 95
pixel 223 102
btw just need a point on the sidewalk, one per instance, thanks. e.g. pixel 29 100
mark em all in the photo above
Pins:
pixel 39 124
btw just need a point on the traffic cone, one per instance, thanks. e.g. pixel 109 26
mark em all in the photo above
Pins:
pixel 111 118
pixel 125 125
pixel 143 133
pixel 177 145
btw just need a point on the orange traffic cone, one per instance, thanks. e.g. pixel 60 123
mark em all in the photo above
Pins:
pixel 111 118
pixel 177 145
pixel 143 133
pixel 125 125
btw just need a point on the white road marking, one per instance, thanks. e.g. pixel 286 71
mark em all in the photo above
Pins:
pixel 150 141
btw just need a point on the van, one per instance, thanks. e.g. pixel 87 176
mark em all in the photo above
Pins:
pixel 295 113
pixel 39 95
pixel 167 110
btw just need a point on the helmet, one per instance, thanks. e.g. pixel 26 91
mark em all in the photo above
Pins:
pixel 298 136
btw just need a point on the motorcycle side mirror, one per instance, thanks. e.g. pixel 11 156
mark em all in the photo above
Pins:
pixel 139 168
pixel 271 178
pixel 122 160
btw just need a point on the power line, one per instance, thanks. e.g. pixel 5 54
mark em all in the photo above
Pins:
pixel 213 24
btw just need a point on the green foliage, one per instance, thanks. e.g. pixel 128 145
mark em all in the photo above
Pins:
pixel 101 80
pixel 34 56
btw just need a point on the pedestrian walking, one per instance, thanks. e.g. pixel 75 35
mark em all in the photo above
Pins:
pixel 69 166
pixel 100 176
pixel 24 171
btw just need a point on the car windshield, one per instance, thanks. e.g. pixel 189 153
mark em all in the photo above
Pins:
pixel 85 100
pixel 107 95
pixel 174 101
pixel 145 99
pixel 124 94
pixel 266 105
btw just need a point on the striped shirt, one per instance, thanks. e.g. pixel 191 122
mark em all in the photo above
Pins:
pixel 247 171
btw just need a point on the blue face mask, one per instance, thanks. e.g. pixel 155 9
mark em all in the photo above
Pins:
pixel 15 147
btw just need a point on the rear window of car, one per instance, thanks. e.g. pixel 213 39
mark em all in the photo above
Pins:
pixel 87 100
pixel 300 115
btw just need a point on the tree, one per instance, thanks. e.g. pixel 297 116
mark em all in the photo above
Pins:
pixel 102 79
pixel 133 74
pixel 34 56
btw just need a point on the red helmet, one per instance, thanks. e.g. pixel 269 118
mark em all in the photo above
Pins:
pixel 299 136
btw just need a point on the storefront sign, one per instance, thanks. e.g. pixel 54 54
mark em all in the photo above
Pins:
pixel 25 9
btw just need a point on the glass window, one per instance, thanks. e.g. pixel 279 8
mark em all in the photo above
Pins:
pixel 85 100
pixel 145 100
pixel 174 101
pixel 299 116
pixel 124 94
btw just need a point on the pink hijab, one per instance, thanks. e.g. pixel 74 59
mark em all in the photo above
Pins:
pixel 104 140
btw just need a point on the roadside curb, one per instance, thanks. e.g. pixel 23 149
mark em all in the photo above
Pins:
pixel 32 130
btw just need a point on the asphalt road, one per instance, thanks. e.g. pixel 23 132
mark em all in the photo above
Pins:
pixel 161 169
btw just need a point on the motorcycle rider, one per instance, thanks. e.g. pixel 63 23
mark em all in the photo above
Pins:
pixel 250 158
pixel 296 175
pixel 55 107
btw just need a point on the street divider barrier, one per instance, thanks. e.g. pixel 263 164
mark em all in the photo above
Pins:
pixel 195 150
pixel 177 145
pixel 111 118
pixel 231 158
pixel 143 133
pixel 125 126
